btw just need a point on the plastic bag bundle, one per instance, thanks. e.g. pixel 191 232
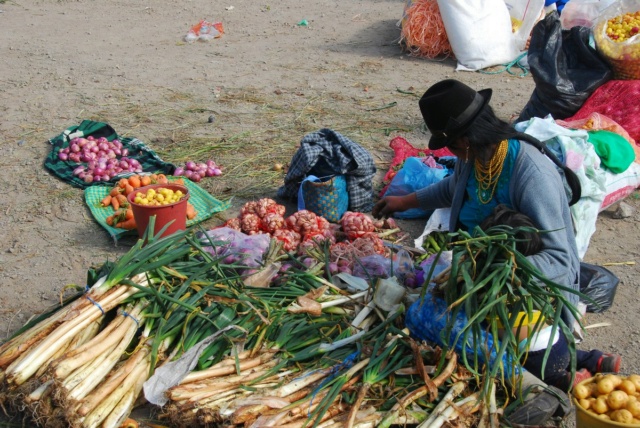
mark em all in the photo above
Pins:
pixel 423 31
pixel 413 176
pixel 204 31
pixel 600 285
pixel 565 68
pixel 236 247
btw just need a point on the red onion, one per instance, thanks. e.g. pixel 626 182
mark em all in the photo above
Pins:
pixel 196 177
pixel 78 170
pixel 102 140
pixel 90 138
pixel 188 173
pixel 209 172
pixel 179 171
pixel 190 165
pixel 210 163
pixel 75 148
pixel 63 156
pixel 217 172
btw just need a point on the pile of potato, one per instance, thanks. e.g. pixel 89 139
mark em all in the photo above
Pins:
pixel 611 397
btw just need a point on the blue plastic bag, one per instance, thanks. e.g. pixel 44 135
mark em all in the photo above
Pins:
pixel 413 176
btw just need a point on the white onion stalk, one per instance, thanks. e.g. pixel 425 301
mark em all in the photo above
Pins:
pixel 213 386
pixel 455 390
pixel 103 410
pixel 122 410
pixel 40 392
pixel 66 385
pixel 40 354
pixel 227 368
pixel 79 356
pixel 102 392
pixel 86 386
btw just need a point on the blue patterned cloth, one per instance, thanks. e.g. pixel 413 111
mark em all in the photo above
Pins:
pixel 326 153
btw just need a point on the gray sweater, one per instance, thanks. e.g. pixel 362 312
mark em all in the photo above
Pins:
pixel 536 189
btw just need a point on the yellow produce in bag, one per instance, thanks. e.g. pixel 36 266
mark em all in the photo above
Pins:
pixel 616 34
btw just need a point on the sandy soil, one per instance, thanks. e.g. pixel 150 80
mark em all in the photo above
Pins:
pixel 267 82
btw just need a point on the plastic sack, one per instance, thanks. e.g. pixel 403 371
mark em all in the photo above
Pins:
pixel 442 262
pixel 414 175
pixel 204 31
pixel 565 69
pixel 598 283
pixel 524 15
pixel 619 186
pixel 479 32
pixel 582 13
pixel 617 99
pixel 378 266
pixel 235 247
pixel 621 55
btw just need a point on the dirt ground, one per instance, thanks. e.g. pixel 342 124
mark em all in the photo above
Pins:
pixel 245 100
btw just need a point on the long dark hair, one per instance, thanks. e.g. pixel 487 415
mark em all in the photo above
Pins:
pixel 487 130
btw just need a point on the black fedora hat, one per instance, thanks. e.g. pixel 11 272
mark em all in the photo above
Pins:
pixel 449 108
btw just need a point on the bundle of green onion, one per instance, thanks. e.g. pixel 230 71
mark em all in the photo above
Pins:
pixel 497 288
pixel 303 353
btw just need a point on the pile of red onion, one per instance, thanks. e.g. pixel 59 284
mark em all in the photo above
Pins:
pixel 104 159
pixel 197 171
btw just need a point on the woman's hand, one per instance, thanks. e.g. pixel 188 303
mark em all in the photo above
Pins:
pixel 391 204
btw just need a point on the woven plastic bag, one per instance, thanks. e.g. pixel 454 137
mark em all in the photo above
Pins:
pixel 327 198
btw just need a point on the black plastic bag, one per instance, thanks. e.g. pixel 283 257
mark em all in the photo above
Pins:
pixel 564 67
pixel 599 284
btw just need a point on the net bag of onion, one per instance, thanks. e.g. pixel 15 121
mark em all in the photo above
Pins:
pixel 423 33
pixel 616 36
pixel 327 198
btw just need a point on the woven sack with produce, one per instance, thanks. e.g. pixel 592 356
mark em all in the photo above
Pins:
pixel 616 36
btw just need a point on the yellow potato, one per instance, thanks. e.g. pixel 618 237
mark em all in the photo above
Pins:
pixel 617 380
pixel 627 386
pixel 605 386
pixel 623 416
pixel 584 403
pixel 617 400
pixel 636 381
pixel 634 408
pixel 600 405
pixel 581 391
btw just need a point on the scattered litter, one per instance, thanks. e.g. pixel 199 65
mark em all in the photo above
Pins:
pixel 229 7
pixel 211 119
pixel 21 142
pixel 205 31
pixel 303 23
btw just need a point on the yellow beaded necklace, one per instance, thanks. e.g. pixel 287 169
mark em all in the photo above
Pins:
pixel 487 177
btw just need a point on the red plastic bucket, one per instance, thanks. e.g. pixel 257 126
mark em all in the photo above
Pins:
pixel 175 213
